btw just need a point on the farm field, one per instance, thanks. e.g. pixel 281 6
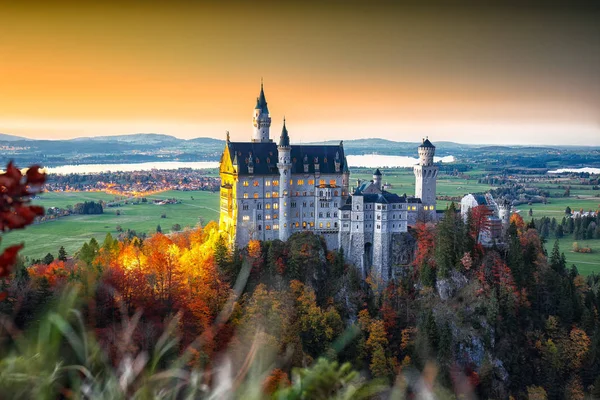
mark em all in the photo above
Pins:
pixel 586 263
pixel 72 231
pixel 556 207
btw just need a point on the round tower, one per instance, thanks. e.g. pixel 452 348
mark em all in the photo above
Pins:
pixel 284 164
pixel 426 176
pixel 504 212
pixel 426 153
pixel 377 178
pixel 261 119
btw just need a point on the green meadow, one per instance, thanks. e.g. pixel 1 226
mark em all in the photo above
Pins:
pixel 72 231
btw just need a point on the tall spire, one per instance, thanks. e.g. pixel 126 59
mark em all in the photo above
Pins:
pixel 262 101
pixel 284 139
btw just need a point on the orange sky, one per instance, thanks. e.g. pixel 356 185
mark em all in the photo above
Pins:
pixel 341 71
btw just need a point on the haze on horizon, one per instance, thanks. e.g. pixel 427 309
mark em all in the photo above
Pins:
pixel 337 70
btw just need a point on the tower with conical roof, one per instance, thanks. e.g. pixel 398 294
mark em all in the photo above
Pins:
pixel 284 164
pixel 426 176
pixel 261 119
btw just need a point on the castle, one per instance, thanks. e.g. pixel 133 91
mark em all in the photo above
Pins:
pixel 271 190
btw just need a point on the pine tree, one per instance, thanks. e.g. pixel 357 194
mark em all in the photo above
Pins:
pixel 556 261
pixel 158 229
pixel 48 259
pixel 62 254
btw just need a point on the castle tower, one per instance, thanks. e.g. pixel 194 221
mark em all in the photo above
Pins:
pixel 504 212
pixel 261 119
pixel 377 178
pixel 284 165
pixel 426 176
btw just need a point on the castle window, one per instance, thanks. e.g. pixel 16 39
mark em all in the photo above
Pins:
pixel 246 218
pixel 256 195
pixel 255 183
pixel 285 225
pixel 244 207
pixel 275 183
pixel 311 181
pixel 335 215
pixel 259 206
pixel 379 217
pixel 291 182
pixel 312 224
pixel 357 217
pixel 303 193
pixel 378 226
pixel 335 204
pixel 260 227
pixel 320 193
pixel 312 204
pixel 300 181
pixel 245 195
pixel 245 183
pixel 320 215
pixel 285 192
pixel 304 204
pixel 328 215
pixel 312 214
pixel 329 224
pixel 259 217
pixel 332 182
pixel 274 216
pixel 379 206
pixel 297 214
pixel 297 194
pixel 357 207
pixel 268 195
pixel 268 216
pixel 275 194
pixel 335 224
pixel 268 183
pixel 297 224
pixel 304 224
pixel 335 192
pixel 320 224
pixel 321 182
pixel 268 206
pixel 275 206
pixel 293 204
pixel 276 227
pixel 394 216
pixel 268 227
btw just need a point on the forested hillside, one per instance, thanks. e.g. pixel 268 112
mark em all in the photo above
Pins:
pixel 293 320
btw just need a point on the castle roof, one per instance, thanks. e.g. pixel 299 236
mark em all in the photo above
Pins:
pixel 427 143
pixel 261 101
pixel 284 139
pixel 383 198
pixel 377 172
pixel 265 158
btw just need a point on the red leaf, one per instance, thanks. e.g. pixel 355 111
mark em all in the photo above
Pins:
pixel 8 258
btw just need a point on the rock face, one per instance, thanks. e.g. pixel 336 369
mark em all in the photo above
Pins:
pixel 448 287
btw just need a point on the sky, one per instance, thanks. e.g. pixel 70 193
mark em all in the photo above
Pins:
pixel 510 74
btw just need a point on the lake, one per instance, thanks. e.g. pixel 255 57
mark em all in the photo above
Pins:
pixel 577 170
pixel 366 160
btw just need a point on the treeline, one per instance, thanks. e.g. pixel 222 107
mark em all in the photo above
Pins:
pixel 88 207
pixel 581 227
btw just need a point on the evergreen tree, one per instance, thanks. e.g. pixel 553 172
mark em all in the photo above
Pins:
pixel 62 254
pixel 449 241
pixel 557 261
pixel 158 229
pixel 48 259
pixel 559 233
pixel 568 210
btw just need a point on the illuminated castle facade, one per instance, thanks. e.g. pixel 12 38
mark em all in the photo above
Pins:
pixel 271 190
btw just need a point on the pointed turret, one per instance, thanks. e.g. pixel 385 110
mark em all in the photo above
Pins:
pixel 284 165
pixel 261 119
pixel 377 178
pixel 284 139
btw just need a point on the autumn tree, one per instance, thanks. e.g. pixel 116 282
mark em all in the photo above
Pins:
pixel 16 212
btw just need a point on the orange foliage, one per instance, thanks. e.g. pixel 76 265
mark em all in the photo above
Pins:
pixel 278 379
pixel 425 244
pixel 518 221
pixel 55 272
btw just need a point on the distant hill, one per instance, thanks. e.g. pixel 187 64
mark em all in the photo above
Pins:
pixel 139 138
pixel 10 138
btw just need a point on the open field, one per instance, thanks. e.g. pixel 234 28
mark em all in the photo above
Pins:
pixel 586 262
pixel 556 207
pixel 72 231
